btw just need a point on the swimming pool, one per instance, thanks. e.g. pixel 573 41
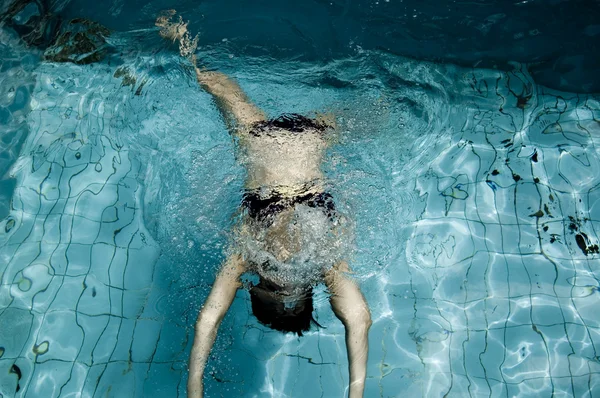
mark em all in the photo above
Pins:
pixel 473 193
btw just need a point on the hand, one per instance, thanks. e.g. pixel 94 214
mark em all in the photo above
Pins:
pixel 169 29
pixel 177 31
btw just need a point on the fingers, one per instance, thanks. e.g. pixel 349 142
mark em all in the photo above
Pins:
pixel 170 29
pixel 164 17
pixel 177 31
pixel 187 46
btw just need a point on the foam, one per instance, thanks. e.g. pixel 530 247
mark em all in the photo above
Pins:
pixel 299 247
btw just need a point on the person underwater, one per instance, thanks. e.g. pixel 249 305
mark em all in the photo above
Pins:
pixel 285 208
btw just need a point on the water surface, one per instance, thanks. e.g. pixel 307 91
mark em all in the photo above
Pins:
pixel 473 192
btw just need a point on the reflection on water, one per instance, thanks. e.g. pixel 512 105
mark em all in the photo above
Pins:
pixel 473 195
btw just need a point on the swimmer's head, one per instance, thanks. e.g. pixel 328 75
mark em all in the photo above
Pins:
pixel 281 310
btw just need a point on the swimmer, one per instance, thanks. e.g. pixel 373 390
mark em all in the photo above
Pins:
pixel 284 210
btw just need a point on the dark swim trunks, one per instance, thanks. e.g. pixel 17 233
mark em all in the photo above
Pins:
pixel 264 209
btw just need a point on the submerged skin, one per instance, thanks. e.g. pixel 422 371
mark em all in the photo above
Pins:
pixel 286 163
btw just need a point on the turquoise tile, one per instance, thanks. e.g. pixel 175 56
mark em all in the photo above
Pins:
pixel 59 336
pixel 95 298
pixel 117 378
pixel 79 256
pixel 123 347
pixel 44 299
pixel 145 337
pixel 93 327
pixel 105 345
pixel 31 281
pixel 8 383
pixel 161 381
pixel 82 230
pixel 67 293
pixel 172 344
pixel 139 274
pixel 49 386
pixel 101 256
pixel 73 387
pixel 15 331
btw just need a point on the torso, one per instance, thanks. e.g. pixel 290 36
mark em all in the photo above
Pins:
pixel 287 233
pixel 283 161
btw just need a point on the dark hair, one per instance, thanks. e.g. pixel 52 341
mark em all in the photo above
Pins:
pixel 269 307
pixel 291 122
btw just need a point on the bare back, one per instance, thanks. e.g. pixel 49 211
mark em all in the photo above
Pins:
pixel 283 161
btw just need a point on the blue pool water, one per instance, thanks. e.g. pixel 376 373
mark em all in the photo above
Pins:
pixel 473 193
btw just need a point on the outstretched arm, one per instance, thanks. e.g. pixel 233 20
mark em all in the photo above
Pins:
pixel 218 302
pixel 350 306
pixel 230 98
pixel 232 101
